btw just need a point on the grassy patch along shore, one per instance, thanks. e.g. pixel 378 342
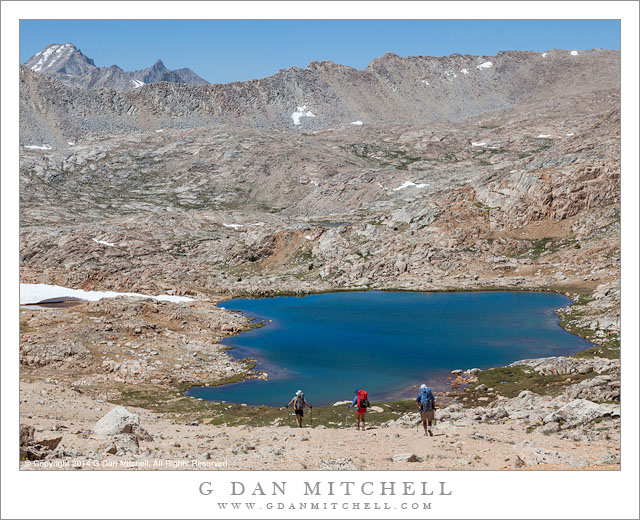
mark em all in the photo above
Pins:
pixel 173 404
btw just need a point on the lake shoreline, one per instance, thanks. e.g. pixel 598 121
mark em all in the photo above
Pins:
pixel 441 381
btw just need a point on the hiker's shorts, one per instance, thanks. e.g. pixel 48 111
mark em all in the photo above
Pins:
pixel 361 411
pixel 428 416
pixel 300 412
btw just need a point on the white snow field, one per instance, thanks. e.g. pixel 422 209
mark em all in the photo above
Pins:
pixel 408 184
pixel 37 292
pixel 300 113
pixel 36 147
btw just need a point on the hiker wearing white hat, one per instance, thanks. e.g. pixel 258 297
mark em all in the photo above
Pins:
pixel 427 405
pixel 299 403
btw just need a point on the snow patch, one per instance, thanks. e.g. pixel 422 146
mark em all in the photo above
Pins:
pixel 408 184
pixel 137 83
pixel 485 65
pixel 481 143
pixel 424 81
pixel 544 54
pixel 36 147
pixel 300 113
pixel 358 122
pixel 37 292
pixel 103 242
pixel 70 143
pixel 464 71
pixel 45 56
pixel 159 130
pixel 234 226
pixel 308 237
pixel 574 53
pixel 570 135
pixel 543 136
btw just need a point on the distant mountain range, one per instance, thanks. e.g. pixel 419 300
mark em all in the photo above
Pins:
pixel 391 90
pixel 68 65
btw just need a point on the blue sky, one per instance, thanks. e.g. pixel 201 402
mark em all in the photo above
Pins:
pixel 235 50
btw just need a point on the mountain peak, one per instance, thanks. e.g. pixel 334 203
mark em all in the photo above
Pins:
pixel 65 62
pixel 60 57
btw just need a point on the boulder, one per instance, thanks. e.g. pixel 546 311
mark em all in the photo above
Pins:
pixel 340 464
pixel 581 411
pixel 611 458
pixel 50 444
pixel 35 450
pixel 599 388
pixel 406 457
pixel 118 420
pixel 550 427
pixel 376 409
pixel 26 434
pixel 123 444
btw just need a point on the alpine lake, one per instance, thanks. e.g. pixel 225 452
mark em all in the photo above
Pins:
pixel 329 345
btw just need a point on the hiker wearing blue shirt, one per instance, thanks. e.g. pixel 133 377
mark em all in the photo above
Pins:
pixel 427 405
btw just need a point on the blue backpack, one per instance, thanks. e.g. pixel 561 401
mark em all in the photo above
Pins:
pixel 426 400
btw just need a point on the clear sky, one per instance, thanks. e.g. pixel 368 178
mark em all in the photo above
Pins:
pixel 235 50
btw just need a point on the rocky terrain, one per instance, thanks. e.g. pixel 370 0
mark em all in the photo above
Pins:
pixel 67 64
pixel 390 91
pixel 525 432
pixel 503 177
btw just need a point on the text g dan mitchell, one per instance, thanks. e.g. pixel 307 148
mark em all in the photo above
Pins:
pixel 328 488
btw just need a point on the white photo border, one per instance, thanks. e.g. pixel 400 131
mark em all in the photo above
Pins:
pixel 487 494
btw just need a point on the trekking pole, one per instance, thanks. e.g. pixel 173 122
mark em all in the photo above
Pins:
pixel 311 416
pixel 345 418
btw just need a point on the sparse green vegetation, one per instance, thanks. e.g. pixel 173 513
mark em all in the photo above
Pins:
pixel 172 402
pixel 510 381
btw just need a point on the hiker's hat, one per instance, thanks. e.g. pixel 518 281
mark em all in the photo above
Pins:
pixel 423 386
pixel 299 393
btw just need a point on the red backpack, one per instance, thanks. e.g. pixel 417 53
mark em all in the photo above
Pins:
pixel 363 399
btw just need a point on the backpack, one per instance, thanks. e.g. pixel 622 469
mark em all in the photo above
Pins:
pixel 363 401
pixel 298 404
pixel 426 401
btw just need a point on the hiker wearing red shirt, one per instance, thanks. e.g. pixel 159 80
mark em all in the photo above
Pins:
pixel 361 402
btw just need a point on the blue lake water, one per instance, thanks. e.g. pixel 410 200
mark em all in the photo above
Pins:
pixel 386 342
